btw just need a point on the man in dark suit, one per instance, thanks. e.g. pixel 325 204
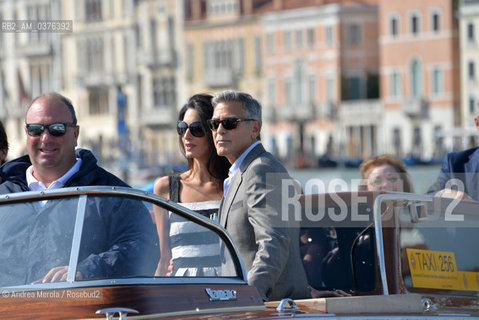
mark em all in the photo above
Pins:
pixel 251 210
pixel 115 231
pixel 459 175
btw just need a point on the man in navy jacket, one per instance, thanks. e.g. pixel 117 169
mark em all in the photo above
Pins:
pixel 118 240
pixel 459 175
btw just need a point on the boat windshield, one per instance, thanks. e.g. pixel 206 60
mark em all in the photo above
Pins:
pixel 86 236
pixel 438 241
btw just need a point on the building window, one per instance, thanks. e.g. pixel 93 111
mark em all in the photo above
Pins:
pixel 472 104
pixel 41 78
pixel 310 34
pixel 190 60
pixel 435 21
pixel 354 34
pixel 437 81
pixel 35 13
pixel 287 40
pixel 92 10
pixel 329 35
pixel 397 142
pixel 414 21
pixel 416 79
pixel 257 54
pixel 223 60
pixel 312 89
pixel 353 88
pixel 126 50
pixel 393 26
pixel 330 89
pixel 289 92
pixel 299 39
pixel 164 93
pixel 300 82
pixel 98 100
pixel 471 71
pixel 219 7
pixel 139 35
pixel 471 38
pixel 270 42
pixel 94 55
pixel 272 91
pixel 395 84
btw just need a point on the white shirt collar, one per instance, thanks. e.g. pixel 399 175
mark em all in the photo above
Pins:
pixel 35 185
pixel 235 166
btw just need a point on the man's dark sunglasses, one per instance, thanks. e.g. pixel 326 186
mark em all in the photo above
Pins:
pixel 195 129
pixel 228 123
pixel 55 129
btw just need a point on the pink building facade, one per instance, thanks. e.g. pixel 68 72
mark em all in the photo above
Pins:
pixel 419 76
pixel 315 59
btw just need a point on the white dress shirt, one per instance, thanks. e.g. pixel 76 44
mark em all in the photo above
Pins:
pixel 235 166
pixel 35 185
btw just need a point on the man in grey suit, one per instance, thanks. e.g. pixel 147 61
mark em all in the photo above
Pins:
pixel 251 210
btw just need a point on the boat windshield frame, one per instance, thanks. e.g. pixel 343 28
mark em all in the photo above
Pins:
pixel 91 191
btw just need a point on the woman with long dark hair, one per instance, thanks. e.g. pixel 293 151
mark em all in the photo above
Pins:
pixel 199 188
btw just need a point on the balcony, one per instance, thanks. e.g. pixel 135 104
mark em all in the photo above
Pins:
pixel 220 78
pixel 296 112
pixel 415 107
pixel 36 50
pixel 360 112
pixel 327 110
pixel 156 58
pixel 95 78
pixel 269 113
pixel 159 116
pixel 468 7
pixel 465 3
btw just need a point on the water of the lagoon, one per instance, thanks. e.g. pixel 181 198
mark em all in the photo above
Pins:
pixel 344 179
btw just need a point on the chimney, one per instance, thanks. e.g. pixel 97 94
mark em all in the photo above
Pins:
pixel 247 7
pixel 277 5
pixel 195 10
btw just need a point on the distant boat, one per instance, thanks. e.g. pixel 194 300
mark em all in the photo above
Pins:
pixel 326 162
pixel 411 160
pixel 414 161
pixel 353 163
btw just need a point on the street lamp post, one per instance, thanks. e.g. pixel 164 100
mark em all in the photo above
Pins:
pixel 122 127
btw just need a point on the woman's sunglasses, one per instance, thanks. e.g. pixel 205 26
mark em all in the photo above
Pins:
pixel 195 128
pixel 228 123
pixel 55 129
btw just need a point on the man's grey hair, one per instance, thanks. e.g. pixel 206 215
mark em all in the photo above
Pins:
pixel 251 106
pixel 58 97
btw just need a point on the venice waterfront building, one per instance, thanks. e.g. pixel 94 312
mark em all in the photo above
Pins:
pixel 337 78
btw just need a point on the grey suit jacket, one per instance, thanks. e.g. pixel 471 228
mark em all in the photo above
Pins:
pixel 252 212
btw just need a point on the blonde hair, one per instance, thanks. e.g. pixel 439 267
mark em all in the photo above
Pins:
pixel 367 166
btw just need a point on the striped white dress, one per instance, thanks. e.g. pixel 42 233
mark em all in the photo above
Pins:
pixel 195 250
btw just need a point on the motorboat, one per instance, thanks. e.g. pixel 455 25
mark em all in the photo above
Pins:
pixel 92 252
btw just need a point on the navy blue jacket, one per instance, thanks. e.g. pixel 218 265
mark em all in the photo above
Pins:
pixel 90 174
pixel 118 239
pixel 463 166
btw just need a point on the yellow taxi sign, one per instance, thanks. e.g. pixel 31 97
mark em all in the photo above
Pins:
pixel 433 269
pixel 468 281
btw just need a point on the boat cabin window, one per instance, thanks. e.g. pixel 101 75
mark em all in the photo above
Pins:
pixel 105 237
pixel 439 247
pixel 337 241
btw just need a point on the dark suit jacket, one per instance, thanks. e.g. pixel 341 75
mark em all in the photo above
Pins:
pixel 269 245
pixel 461 165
